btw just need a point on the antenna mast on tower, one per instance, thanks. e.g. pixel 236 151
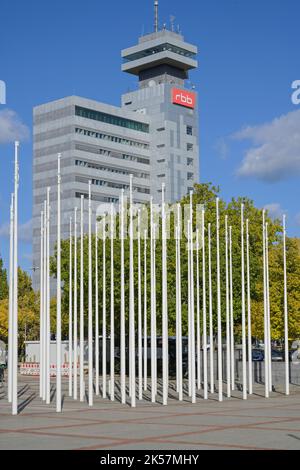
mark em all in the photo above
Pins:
pixel 156 16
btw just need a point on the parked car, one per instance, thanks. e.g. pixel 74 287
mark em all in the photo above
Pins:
pixel 257 355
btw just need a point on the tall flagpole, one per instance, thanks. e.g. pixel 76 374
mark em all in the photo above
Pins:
pixel 122 319
pixel 165 354
pixel 11 291
pixel 178 306
pixel 42 320
pixel 211 327
pixel 75 339
pixel 112 307
pixel 70 314
pixel 268 310
pixel 48 299
pixel 131 305
pixel 220 372
pixel 58 292
pixel 104 311
pixel 81 319
pixel 45 326
pixel 193 371
pixel 198 313
pixel 96 313
pixel 265 312
pixel 140 348
pixel 244 359
pixel 249 312
pixel 90 304
pixel 286 330
pixel 204 308
pixel 153 305
pixel 231 311
pixel 15 292
pixel 228 383
pixel 145 313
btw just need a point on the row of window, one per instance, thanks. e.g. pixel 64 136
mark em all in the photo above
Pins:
pixel 110 184
pixel 156 50
pixel 111 169
pixel 96 197
pixel 111 119
pixel 111 138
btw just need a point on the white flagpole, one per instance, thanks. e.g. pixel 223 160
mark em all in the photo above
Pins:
pixel 286 332
pixel 231 310
pixel 244 359
pixel 193 365
pixel 70 315
pixel 153 305
pixel 198 313
pixel 140 348
pixel 165 354
pixel 211 327
pixel 112 307
pixel 228 382
pixel 145 313
pixel 42 307
pixel 81 320
pixel 90 304
pixel 178 306
pixel 45 305
pixel 220 372
pixel 268 310
pixel 104 312
pixel 265 312
pixel 58 292
pixel 131 305
pixel 189 315
pixel 96 313
pixel 122 316
pixel 48 300
pixel 249 312
pixel 75 340
pixel 11 290
pixel 204 308
pixel 122 319
pixel 15 292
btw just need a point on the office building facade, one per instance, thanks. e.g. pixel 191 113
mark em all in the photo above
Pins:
pixel 154 136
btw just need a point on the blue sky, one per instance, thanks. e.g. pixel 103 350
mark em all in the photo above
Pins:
pixel 248 59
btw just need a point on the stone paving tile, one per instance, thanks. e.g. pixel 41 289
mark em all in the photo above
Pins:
pixel 231 424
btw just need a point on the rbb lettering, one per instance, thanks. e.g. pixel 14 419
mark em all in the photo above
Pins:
pixel 183 98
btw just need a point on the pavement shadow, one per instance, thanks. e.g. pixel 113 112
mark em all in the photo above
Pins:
pixel 26 402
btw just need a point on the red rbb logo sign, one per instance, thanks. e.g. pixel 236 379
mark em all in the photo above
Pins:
pixel 183 98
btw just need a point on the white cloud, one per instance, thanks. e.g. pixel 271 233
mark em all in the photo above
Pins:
pixel 24 231
pixel 275 151
pixel 11 127
pixel 222 148
pixel 275 210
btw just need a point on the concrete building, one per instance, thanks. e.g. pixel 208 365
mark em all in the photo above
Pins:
pixel 154 135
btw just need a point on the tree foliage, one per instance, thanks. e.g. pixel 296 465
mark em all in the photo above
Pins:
pixel 204 194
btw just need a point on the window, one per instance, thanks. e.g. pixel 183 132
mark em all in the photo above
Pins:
pixel 160 146
pixel 161 160
pixel 161 176
pixel 111 138
pixel 110 119
pixel 189 130
pixel 190 176
pixel 160 129
pixel 189 147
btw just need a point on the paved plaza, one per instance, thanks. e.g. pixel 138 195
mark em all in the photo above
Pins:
pixel 257 423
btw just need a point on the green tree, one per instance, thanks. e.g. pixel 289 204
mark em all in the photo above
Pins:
pixel 3 281
pixel 204 194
